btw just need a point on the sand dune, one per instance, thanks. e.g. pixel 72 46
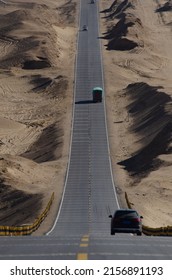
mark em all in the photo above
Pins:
pixel 138 79
pixel 36 42
pixel 37 54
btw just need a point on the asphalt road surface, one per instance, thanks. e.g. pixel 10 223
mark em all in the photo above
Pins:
pixel 82 227
pixel 89 195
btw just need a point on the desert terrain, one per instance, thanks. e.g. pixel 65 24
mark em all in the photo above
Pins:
pixel 137 50
pixel 37 59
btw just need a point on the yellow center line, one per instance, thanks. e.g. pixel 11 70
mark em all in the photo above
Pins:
pixel 83 245
pixel 82 256
pixel 85 239
pixel 86 236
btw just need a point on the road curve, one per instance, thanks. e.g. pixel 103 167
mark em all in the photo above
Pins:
pixel 82 227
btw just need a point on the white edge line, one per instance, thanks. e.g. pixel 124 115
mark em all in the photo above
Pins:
pixel 74 94
pixel 110 163
pixel 100 45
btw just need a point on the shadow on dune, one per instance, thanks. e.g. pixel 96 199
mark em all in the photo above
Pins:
pixel 53 87
pixel 116 9
pixel 48 146
pixel 121 44
pixel 35 64
pixel 17 206
pixel 167 7
pixel 153 123
pixel 117 34
pixel 68 11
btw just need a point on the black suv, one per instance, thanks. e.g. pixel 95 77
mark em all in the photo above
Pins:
pixel 126 220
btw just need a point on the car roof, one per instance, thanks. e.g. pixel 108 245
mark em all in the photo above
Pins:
pixel 97 88
pixel 125 210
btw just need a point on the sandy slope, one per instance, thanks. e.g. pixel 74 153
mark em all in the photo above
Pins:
pixel 137 46
pixel 37 54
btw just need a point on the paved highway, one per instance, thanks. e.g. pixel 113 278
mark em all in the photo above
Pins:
pixel 89 193
pixel 93 247
pixel 82 228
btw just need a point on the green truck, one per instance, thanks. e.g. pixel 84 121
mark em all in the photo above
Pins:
pixel 97 94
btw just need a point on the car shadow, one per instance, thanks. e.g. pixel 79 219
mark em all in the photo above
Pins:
pixel 84 102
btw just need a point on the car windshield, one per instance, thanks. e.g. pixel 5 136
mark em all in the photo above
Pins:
pixel 124 213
